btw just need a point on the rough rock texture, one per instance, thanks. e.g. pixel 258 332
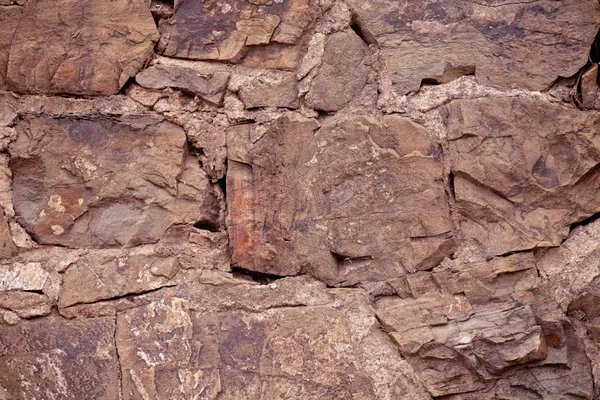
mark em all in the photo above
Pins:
pixel 506 44
pixel 299 199
pixel 524 171
pixel 77 47
pixel 73 166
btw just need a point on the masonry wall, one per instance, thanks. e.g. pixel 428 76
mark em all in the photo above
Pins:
pixel 299 199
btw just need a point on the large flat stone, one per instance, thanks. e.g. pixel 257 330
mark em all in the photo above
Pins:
pixel 78 47
pixel 100 182
pixel 506 44
pixel 358 199
pixel 282 347
pixel 221 31
pixel 524 170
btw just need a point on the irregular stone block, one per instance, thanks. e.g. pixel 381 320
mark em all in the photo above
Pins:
pixel 101 183
pixel 221 31
pixel 79 47
pixel 54 358
pixel 26 304
pixel 269 89
pixel 181 346
pixel 205 84
pixel 104 276
pixel 342 74
pixel 358 199
pixel 451 347
pixel 505 44
pixel 524 170
pixel 568 270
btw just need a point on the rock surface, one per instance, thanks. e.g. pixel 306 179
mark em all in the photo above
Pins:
pixel 75 167
pixel 319 181
pixel 524 171
pixel 505 44
pixel 299 199
pixel 77 47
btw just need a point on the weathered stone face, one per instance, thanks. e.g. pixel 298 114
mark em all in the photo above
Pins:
pixel 77 47
pixel 290 349
pixel 301 203
pixel 299 199
pixel 505 44
pixel 55 358
pixel 524 170
pixel 209 30
pixel 68 174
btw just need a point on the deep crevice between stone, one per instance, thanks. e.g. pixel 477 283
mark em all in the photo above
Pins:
pixel 259 277
pixel 358 27
pixel 584 222
pixel 127 296
pixel 207 225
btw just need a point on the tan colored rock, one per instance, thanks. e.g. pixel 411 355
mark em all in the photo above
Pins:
pixel 524 170
pixel 342 74
pixel 26 304
pixel 22 276
pixel 328 351
pixel 79 47
pixel 269 89
pixel 106 183
pixel 54 358
pixel 300 205
pixel 209 85
pixel 99 277
pixel 546 381
pixel 222 31
pixel 505 44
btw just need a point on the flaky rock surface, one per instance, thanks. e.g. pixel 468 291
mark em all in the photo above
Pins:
pixel 299 199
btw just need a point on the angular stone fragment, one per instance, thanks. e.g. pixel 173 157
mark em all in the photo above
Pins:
pixel 544 382
pixel 101 183
pixel 26 304
pixel 342 75
pixel 221 31
pixel 79 47
pixel 7 247
pixel 360 199
pixel 269 89
pixel 208 85
pixel 524 170
pixel 52 358
pixel 466 324
pixel 506 44
pixel 97 277
pixel 182 345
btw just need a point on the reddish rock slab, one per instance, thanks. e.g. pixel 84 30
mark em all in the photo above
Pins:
pixel 360 198
pixel 77 47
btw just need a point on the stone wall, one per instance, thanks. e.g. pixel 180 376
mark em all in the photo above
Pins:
pixel 299 199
